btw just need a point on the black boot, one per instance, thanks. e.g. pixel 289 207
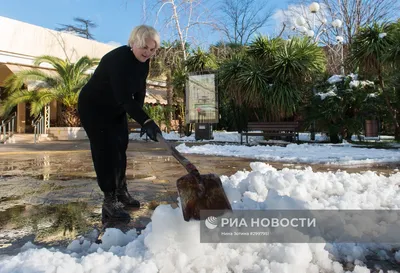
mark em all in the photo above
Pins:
pixel 125 198
pixel 112 210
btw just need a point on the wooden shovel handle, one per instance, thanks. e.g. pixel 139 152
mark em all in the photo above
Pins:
pixel 178 156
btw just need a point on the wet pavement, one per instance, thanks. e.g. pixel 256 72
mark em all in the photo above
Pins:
pixel 49 194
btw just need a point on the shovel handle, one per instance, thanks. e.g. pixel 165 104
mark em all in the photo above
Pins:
pixel 178 156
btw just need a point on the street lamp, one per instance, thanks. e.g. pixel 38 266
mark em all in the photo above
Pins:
pixel 314 7
pixel 301 22
pixel 337 23
pixel 302 27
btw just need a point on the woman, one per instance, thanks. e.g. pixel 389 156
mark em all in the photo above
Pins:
pixel 118 88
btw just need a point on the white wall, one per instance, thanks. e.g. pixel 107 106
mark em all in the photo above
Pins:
pixel 21 42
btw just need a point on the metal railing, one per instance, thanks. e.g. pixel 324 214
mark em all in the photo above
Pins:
pixel 38 127
pixel 7 128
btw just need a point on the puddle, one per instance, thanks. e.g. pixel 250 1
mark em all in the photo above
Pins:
pixel 44 224
pixel 61 177
pixel 65 218
pixel 9 198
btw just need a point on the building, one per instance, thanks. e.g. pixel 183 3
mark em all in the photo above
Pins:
pixel 21 42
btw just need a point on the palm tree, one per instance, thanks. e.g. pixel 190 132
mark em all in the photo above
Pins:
pixel 223 51
pixel 272 77
pixel 200 61
pixel 63 86
pixel 375 51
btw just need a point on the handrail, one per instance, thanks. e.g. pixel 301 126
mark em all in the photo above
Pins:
pixel 38 126
pixel 8 125
pixel 12 116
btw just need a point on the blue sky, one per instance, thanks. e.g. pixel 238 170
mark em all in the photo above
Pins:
pixel 115 18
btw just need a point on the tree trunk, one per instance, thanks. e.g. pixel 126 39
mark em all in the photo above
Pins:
pixel 397 133
pixel 71 117
pixel 334 134
pixel 392 111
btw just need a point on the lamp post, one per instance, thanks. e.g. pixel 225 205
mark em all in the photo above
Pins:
pixel 301 23
pixel 314 33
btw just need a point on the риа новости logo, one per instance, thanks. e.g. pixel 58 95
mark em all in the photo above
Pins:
pixel 211 222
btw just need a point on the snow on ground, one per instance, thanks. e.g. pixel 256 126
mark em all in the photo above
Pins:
pixel 338 154
pixel 169 244
pixel 325 153
pixel 223 136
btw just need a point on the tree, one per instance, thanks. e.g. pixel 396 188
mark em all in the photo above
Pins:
pixel 340 106
pixel 200 61
pixel 83 29
pixel 241 19
pixel 352 13
pixel 184 17
pixel 271 78
pixel 223 51
pixel 335 24
pixel 356 13
pixel 375 52
pixel 63 86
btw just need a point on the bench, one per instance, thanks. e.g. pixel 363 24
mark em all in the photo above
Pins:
pixel 134 127
pixel 283 128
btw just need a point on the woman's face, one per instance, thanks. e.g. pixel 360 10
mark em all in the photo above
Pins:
pixel 144 53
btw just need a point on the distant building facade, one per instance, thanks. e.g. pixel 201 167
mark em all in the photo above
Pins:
pixel 21 43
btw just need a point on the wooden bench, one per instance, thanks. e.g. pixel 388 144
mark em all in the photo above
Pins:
pixel 134 127
pixel 284 128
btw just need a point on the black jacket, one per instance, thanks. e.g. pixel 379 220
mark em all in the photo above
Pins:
pixel 117 87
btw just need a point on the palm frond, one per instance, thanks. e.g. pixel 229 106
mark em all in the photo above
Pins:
pixel 14 99
pixel 16 81
pixel 393 53
pixel 369 48
pixel 285 98
pixel 201 61
pixel 57 63
pixel 297 59
pixel 254 81
pixel 263 48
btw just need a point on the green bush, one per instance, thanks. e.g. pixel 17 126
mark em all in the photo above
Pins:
pixel 341 105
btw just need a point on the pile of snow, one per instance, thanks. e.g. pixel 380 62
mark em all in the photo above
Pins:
pixel 169 244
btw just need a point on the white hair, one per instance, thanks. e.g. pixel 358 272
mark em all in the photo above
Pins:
pixel 139 35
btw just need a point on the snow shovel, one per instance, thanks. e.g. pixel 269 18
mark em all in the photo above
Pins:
pixel 198 192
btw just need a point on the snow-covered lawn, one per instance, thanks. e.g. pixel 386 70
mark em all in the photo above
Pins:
pixel 169 244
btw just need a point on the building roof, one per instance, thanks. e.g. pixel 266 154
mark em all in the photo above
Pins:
pixel 21 42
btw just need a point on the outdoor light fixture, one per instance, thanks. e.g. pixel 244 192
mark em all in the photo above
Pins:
pixel 300 21
pixel 339 39
pixel 307 28
pixel 302 29
pixel 310 33
pixel 314 7
pixel 337 23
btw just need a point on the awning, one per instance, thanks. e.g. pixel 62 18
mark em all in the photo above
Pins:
pixel 7 69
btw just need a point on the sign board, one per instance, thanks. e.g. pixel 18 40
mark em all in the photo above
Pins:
pixel 201 99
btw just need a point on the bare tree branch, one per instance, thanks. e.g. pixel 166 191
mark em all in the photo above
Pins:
pixel 241 19
pixel 183 17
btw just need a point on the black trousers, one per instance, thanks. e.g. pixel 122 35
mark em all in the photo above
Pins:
pixel 108 143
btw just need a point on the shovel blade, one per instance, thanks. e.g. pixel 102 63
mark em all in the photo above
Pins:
pixel 194 197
